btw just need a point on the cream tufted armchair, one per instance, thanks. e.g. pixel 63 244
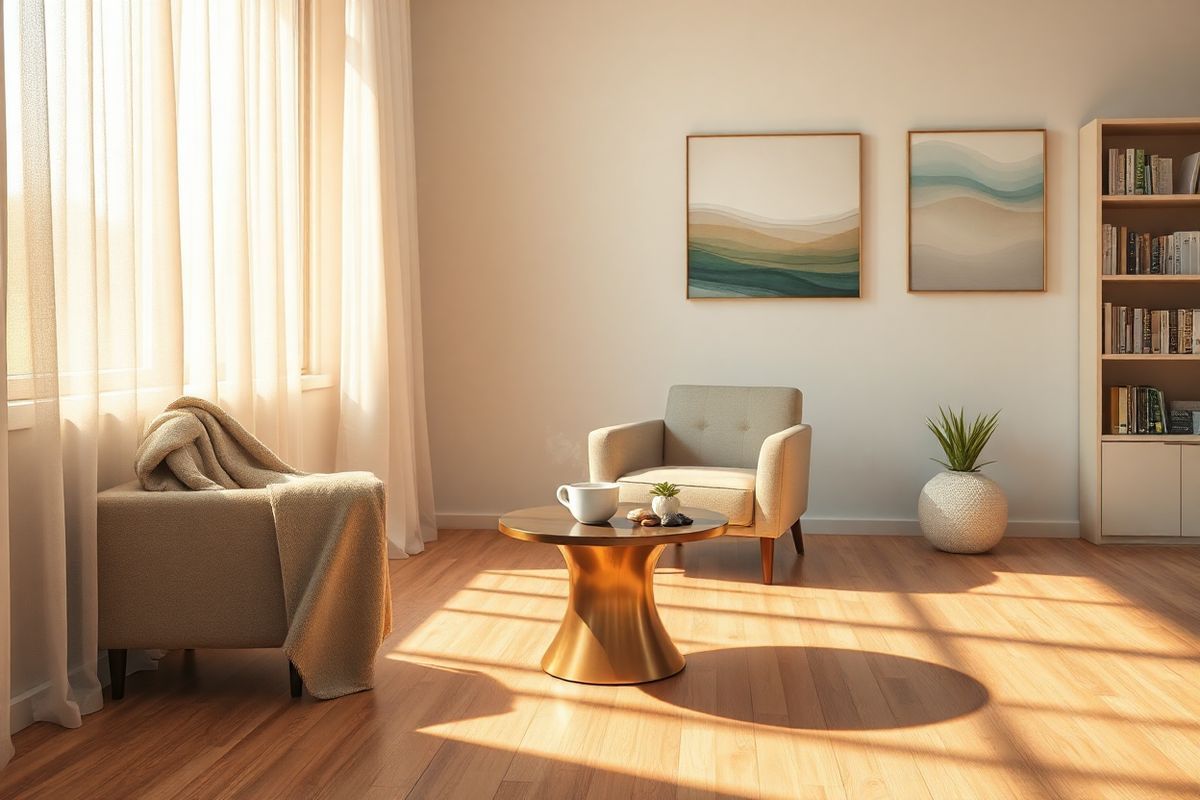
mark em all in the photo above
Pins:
pixel 737 450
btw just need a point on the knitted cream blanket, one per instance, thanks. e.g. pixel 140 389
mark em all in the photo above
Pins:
pixel 329 528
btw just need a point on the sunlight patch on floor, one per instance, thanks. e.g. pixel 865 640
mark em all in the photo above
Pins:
pixel 1008 619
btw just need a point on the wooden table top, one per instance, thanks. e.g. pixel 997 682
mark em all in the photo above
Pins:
pixel 555 525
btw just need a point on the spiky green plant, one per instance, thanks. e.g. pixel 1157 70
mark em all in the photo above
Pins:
pixel 962 443
pixel 664 489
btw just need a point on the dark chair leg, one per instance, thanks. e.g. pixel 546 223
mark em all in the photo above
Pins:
pixel 116 671
pixel 766 548
pixel 798 537
pixel 297 684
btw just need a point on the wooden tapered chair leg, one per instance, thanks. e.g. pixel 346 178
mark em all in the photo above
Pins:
pixel 294 675
pixel 766 547
pixel 116 671
pixel 798 537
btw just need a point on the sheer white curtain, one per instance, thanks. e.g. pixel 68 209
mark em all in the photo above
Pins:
pixel 382 420
pixel 6 749
pixel 153 248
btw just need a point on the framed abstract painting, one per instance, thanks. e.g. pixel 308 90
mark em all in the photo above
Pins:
pixel 774 215
pixel 977 211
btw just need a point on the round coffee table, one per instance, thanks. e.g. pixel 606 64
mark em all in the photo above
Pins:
pixel 611 632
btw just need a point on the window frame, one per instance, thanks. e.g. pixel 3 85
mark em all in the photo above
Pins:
pixel 309 167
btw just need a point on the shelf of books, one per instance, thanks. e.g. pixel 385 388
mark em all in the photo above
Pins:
pixel 1139 295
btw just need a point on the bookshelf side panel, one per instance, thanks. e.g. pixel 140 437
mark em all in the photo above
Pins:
pixel 1090 177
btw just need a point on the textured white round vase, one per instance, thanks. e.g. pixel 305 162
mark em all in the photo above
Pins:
pixel 665 506
pixel 962 512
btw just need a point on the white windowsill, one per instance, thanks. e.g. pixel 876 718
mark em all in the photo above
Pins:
pixel 20 412
pixel 320 381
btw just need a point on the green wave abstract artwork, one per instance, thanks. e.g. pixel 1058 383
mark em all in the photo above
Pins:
pixel 977 211
pixel 734 255
pixel 773 216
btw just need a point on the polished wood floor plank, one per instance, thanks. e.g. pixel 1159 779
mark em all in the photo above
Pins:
pixel 872 667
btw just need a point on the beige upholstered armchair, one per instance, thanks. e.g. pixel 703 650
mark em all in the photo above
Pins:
pixel 737 450
pixel 187 570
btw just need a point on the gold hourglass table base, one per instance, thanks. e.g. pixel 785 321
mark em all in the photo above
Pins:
pixel 611 632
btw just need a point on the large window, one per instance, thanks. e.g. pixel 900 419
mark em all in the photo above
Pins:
pixel 157 156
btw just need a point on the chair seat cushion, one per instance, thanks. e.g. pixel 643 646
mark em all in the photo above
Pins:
pixel 726 490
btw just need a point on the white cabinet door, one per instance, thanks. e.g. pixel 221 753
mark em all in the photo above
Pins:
pixel 1140 485
pixel 1190 489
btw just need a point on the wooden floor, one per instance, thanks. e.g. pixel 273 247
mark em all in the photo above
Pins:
pixel 875 667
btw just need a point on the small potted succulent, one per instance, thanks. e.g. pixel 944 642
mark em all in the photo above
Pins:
pixel 665 500
pixel 961 510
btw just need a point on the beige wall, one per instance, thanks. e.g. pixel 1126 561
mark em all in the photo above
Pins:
pixel 550 148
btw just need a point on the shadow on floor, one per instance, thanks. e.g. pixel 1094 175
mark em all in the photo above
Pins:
pixel 820 688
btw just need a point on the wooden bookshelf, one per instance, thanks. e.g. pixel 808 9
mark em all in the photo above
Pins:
pixel 1164 438
pixel 1134 488
pixel 1151 201
pixel 1150 357
pixel 1150 279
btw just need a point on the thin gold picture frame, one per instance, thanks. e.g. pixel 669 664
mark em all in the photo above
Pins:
pixel 1045 210
pixel 687 183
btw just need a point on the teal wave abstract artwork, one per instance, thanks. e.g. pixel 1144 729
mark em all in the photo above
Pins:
pixel 977 211
pixel 773 216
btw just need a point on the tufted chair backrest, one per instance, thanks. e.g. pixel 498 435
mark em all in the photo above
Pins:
pixel 724 426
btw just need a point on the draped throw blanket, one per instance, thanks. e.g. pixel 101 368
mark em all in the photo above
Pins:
pixel 329 528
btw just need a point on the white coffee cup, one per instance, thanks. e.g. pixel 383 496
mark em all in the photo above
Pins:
pixel 590 503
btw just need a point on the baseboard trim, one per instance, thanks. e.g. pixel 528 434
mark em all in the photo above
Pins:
pixel 20 708
pixel 1018 529
pixel 468 522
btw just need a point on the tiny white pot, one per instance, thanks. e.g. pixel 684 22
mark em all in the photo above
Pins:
pixel 962 512
pixel 665 506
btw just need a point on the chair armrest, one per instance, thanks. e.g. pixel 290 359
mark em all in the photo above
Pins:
pixel 781 482
pixel 621 449
pixel 188 569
